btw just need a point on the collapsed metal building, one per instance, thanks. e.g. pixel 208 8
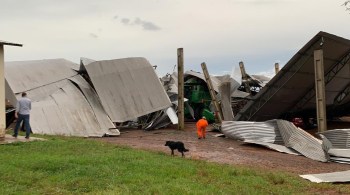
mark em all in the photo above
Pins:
pixel 291 92
pixel 67 102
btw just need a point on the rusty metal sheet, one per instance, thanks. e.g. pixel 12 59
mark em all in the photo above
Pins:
pixel 128 88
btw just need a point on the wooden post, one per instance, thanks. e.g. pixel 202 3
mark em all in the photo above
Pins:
pixel 244 77
pixel 180 80
pixel 211 91
pixel 277 68
pixel 320 91
pixel 2 94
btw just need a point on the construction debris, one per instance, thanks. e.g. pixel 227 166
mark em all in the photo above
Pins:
pixel 128 88
pixel 279 135
pixel 65 103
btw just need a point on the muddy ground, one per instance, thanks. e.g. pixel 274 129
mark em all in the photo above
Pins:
pixel 221 150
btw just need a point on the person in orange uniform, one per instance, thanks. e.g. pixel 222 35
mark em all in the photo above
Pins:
pixel 201 125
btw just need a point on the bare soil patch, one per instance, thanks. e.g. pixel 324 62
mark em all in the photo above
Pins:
pixel 221 150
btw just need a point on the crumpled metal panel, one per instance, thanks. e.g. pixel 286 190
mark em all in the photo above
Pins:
pixel 128 88
pixel 302 141
pixel 258 131
pixel 342 176
pixel 276 147
pixel 340 138
pixel 28 75
pixel 59 115
pixel 91 96
pixel 59 106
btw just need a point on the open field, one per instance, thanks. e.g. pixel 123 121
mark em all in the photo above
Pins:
pixel 70 165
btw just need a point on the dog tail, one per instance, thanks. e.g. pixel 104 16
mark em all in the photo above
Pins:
pixel 186 150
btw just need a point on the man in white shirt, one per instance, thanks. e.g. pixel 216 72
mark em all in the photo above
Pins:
pixel 24 105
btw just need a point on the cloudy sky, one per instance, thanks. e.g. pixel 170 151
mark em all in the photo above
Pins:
pixel 218 32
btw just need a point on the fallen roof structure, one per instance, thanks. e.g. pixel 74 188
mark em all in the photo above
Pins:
pixel 128 88
pixel 279 135
pixel 63 103
pixel 292 90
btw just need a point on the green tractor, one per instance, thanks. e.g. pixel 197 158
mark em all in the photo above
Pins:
pixel 197 93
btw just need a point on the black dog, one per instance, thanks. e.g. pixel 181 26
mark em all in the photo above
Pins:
pixel 176 145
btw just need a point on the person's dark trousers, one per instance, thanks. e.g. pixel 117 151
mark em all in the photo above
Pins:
pixel 25 119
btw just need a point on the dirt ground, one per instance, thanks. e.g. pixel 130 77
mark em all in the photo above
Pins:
pixel 221 150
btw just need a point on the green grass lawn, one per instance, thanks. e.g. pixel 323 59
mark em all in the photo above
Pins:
pixel 76 166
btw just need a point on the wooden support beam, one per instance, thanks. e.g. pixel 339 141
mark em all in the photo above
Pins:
pixel 277 68
pixel 180 74
pixel 320 91
pixel 212 92
pixel 244 77
pixel 2 94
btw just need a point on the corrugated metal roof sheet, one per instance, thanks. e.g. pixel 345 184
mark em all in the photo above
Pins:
pixel 279 132
pixel 342 176
pixel 258 131
pixel 302 141
pixel 340 138
pixel 128 88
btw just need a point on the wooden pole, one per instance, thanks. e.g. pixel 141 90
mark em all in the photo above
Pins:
pixel 212 92
pixel 2 94
pixel 180 80
pixel 277 68
pixel 320 91
pixel 244 77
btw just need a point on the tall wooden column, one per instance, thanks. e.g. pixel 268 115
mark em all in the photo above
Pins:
pixel 2 94
pixel 320 91
pixel 277 68
pixel 2 88
pixel 212 92
pixel 180 80
pixel 244 77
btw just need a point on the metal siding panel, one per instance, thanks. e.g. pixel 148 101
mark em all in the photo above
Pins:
pixel 128 88
pixel 91 96
pixel 27 75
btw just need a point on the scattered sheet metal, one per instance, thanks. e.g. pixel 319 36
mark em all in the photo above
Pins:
pixel 339 152
pixel 335 177
pixel 338 155
pixel 276 147
pixel 128 88
pixel 266 132
pixel 340 138
pixel 302 141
